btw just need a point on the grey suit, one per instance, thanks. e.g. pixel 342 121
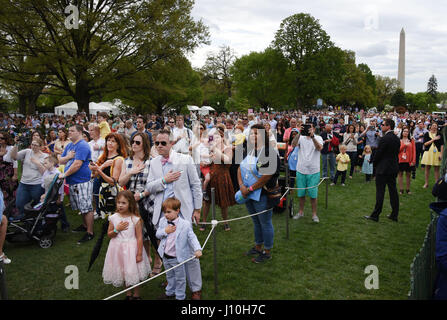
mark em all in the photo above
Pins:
pixel 188 190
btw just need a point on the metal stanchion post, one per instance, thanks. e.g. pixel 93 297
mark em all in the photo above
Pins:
pixel 213 204
pixel 327 190
pixel 3 291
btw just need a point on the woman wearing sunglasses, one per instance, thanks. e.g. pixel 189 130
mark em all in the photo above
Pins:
pixel 134 176
pixel 108 169
pixel 32 170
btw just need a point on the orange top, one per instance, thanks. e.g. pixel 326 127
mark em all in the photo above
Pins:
pixel 407 152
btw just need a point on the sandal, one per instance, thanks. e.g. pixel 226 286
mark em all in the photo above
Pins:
pixel 227 227
pixel 155 271
pixel 401 192
pixel 136 298
pixel 202 227
pixel 409 192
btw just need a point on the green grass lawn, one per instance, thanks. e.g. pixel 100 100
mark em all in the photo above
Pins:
pixel 318 261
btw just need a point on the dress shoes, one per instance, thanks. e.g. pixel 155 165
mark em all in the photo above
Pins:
pixel 392 218
pixel 372 218
pixel 197 295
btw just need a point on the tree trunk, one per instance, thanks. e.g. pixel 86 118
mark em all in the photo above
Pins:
pixel 22 104
pixel 82 97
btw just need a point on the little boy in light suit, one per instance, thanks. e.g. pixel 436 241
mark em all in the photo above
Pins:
pixel 178 243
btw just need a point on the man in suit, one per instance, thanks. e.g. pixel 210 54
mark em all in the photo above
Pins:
pixel 173 174
pixel 386 162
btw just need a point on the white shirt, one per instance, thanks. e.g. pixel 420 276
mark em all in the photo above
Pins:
pixel 308 155
pixel 96 153
pixel 182 145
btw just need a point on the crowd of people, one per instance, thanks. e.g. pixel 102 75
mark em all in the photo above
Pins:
pixel 153 175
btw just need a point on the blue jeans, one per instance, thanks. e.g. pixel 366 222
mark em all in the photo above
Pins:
pixel 26 193
pixel 331 157
pixel 263 226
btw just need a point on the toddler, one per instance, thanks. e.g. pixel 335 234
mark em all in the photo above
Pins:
pixel 342 165
pixel 178 243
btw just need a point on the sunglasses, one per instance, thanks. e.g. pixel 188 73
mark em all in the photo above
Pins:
pixel 137 142
pixel 2 138
pixel 35 145
pixel 171 122
pixel 163 143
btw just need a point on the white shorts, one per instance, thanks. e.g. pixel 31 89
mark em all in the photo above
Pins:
pixel 81 196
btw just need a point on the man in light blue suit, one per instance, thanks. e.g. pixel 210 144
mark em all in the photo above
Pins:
pixel 173 174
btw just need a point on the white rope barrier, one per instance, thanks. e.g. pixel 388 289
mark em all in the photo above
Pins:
pixel 288 188
pixel 214 223
pixel 258 213
pixel 161 273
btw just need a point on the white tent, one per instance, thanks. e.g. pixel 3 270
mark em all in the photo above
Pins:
pixel 205 110
pixel 69 109
pixel 193 108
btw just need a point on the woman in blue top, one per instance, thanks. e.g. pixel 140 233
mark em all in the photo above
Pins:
pixel 259 169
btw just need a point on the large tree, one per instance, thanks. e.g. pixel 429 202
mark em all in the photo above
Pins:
pixel 263 78
pixel 304 43
pixel 386 87
pixel 217 67
pixel 432 87
pixel 116 39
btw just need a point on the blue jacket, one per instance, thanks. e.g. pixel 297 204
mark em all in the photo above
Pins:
pixel 186 242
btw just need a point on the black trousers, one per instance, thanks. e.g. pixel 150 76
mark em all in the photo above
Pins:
pixel 381 182
pixel 419 153
pixel 343 176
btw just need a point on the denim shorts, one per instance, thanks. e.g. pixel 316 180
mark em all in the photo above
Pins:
pixel 310 181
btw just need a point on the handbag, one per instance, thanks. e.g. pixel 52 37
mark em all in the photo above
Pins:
pixel 107 195
pixel 273 194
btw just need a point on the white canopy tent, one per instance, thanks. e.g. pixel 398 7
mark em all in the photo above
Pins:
pixel 71 108
pixel 193 108
pixel 205 110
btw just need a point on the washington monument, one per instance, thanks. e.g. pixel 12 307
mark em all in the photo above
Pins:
pixel 401 72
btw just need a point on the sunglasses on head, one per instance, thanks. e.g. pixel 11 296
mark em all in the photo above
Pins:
pixel 137 142
pixel 163 143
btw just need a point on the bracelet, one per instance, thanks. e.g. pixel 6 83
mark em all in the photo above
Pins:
pixel 116 231
pixel 141 195
pixel 163 180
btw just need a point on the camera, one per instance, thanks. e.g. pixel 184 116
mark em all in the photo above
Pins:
pixel 306 128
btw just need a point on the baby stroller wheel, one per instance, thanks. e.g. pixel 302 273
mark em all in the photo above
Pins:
pixel 45 242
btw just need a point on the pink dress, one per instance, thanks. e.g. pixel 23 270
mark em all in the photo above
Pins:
pixel 120 265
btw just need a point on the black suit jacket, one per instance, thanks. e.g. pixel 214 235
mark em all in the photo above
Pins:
pixel 386 158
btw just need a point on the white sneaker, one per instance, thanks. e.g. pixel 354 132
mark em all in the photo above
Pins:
pixel 5 259
pixel 315 219
pixel 332 184
pixel 342 184
pixel 298 215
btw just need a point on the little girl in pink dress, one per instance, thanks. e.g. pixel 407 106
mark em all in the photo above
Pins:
pixel 126 262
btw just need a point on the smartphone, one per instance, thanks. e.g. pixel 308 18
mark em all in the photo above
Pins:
pixel 210 138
